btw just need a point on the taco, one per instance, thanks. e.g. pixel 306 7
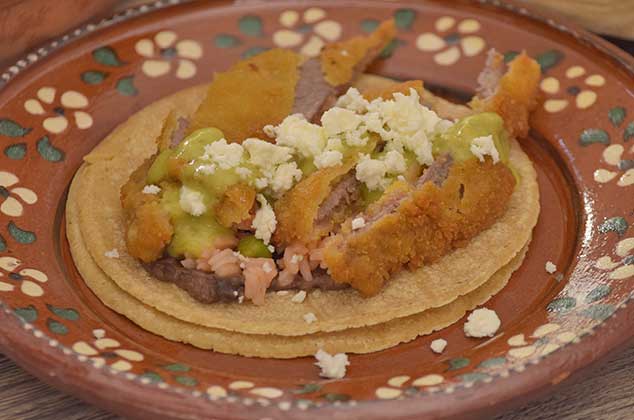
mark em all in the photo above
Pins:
pixel 280 204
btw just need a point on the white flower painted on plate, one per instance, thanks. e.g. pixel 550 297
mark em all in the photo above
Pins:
pixel 67 111
pixel 311 30
pixel 164 51
pixel 101 349
pixel 623 266
pixel 452 40
pixel 583 96
pixel 28 280
pixel 13 196
pixel 613 156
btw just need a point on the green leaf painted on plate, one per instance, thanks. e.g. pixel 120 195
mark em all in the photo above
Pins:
pixel 152 376
pixel 629 132
pixel 549 59
pixel 56 327
pixel 186 380
pixel 390 48
pixel 616 224
pixel 510 55
pixel 28 314
pixel 458 363
pixel 369 25
pixel 3 244
pixel 65 313
pixel 494 361
pixel 336 397
pixel 10 128
pixel 250 25
pixel 404 18
pixel 253 51
pixel 599 312
pixel 307 389
pixel 15 151
pixel 598 293
pixel 594 135
pixel 226 41
pixel 107 56
pixel 616 115
pixel 22 236
pixel 93 77
pixel 48 151
pixel 474 377
pixel 562 304
pixel 177 367
pixel 125 86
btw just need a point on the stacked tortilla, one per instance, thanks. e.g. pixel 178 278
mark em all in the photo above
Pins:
pixel 413 303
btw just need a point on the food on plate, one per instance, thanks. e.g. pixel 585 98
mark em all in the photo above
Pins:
pixel 379 211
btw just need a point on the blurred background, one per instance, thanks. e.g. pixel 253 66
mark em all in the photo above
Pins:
pixel 25 24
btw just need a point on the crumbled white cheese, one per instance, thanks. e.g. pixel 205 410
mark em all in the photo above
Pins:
pixel 371 172
pixel 328 158
pixel 438 345
pixel 310 318
pixel 264 221
pixel 296 132
pixel 271 248
pixel 224 155
pixel 353 100
pixel 332 366
pixel 191 201
pixel 151 189
pixel 243 172
pixel 299 297
pixel 394 162
pixel 284 176
pixel 482 146
pixel 282 293
pixel 401 178
pixel 340 120
pixel 240 298
pixel 266 155
pixel 482 322
pixel 266 267
pixel 113 253
pixel 358 223
pixel 208 169
pixel 550 267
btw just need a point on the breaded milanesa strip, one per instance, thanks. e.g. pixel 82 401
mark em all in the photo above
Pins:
pixel 418 227
pixel 513 95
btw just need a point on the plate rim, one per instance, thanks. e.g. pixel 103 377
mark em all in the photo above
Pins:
pixel 21 343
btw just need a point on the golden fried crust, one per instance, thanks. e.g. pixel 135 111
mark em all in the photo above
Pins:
pixel 297 210
pixel 252 94
pixel 149 231
pixel 426 225
pixel 516 95
pixel 388 92
pixel 340 60
pixel 236 205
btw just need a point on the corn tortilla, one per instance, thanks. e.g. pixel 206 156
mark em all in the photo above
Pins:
pixel 100 218
pixel 354 340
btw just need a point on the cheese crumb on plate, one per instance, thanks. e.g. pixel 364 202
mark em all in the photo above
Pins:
pixel 482 322
pixel 551 268
pixel 113 253
pixel 299 297
pixel 438 346
pixel 332 366
pixel 310 318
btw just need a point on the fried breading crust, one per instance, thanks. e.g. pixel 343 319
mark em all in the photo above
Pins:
pixel 250 95
pixel 236 204
pixel 341 60
pixel 516 94
pixel 427 224
pixel 297 210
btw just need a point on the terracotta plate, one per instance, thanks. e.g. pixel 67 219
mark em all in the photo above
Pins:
pixel 58 102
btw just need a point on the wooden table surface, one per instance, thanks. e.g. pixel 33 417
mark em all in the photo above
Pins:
pixel 606 394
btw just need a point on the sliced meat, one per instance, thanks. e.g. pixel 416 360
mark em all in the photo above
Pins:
pixel 209 288
pixel 323 79
pixel 410 226
pixel 344 195
pixel 313 92
pixel 490 76
pixel 180 131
